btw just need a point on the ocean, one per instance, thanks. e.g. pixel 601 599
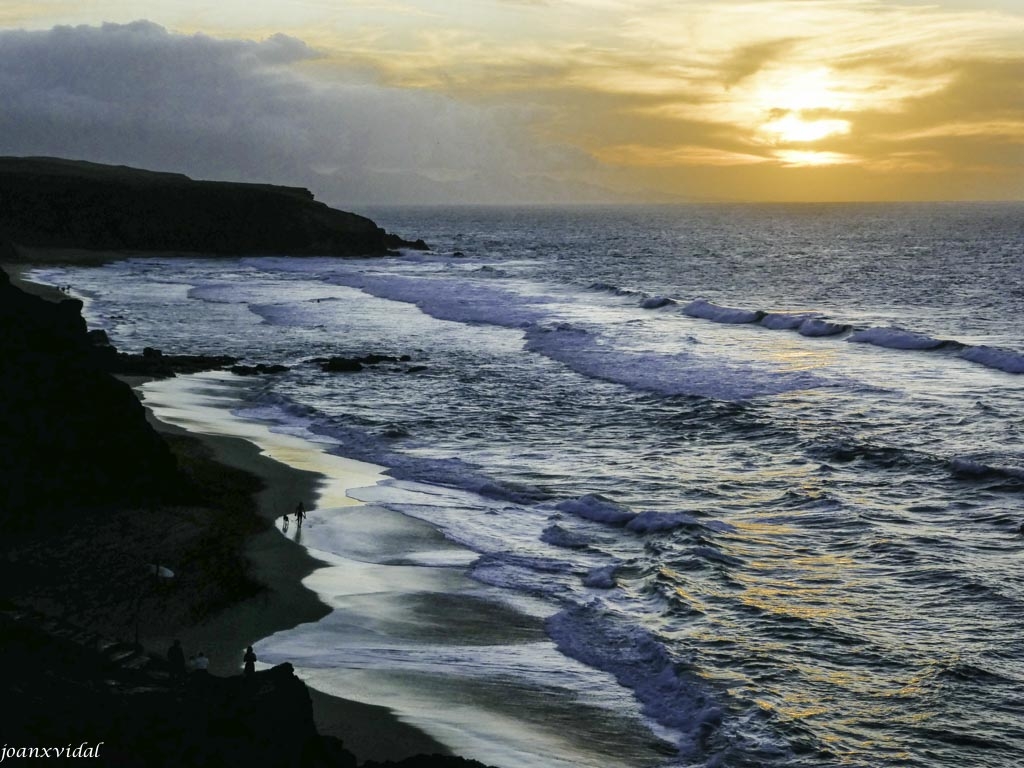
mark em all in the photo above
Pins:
pixel 714 485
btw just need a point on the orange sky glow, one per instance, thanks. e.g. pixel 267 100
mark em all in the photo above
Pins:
pixel 648 100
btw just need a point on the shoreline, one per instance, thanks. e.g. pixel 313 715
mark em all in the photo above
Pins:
pixel 370 732
pixel 278 565
pixel 411 631
pixel 18 273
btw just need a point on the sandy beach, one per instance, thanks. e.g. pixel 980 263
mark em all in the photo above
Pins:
pixel 372 733
pixel 279 563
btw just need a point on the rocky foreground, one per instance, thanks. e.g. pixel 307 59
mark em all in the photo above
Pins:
pixel 74 689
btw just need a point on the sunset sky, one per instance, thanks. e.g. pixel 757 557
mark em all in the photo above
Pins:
pixel 375 101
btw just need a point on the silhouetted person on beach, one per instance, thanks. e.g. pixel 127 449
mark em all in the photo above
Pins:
pixel 286 520
pixel 176 658
pixel 250 662
pixel 300 512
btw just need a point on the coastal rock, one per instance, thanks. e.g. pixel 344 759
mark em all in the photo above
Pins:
pixel 340 364
pixel 375 359
pixel 99 338
pixel 393 241
pixel 154 363
pixel 258 369
pixel 8 255
pixel 48 202
pixel 71 436
pixel 121 702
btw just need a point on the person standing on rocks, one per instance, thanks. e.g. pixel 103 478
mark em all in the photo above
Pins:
pixel 250 662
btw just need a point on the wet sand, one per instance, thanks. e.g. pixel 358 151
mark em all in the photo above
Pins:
pixel 370 732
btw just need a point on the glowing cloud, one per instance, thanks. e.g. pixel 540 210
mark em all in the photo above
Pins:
pixel 770 99
pixel 792 158
pixel 797 130
pixel 639 155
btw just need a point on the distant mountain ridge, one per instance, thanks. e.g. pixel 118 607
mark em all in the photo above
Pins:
pixel 48 202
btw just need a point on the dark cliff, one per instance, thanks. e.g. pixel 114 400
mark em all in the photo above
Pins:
pixel 72 685
pixel 71 435
pixel 71 688
pixel 55 203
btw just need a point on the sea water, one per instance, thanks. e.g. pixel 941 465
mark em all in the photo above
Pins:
pixel 697 485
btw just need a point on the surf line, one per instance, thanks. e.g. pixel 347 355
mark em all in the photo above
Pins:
pixel 201 403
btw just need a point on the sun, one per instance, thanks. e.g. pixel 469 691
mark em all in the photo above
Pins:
pixel 783 98
pixel 797 130
pixel 795 90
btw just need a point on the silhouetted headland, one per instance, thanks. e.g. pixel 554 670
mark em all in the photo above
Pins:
pixel 53 203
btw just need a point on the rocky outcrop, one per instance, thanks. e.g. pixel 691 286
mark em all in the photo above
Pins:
pixel 71 436
pixel 78 687
pixel 153 362
pixel 56 203
pixel 259 369
pixel 340 364
pixel 75 688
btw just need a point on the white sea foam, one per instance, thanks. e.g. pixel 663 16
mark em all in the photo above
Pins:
pixel 618 291
pixel 779 321
pixel 441 475
pixel 640 662
pixel 895 338
pixel 708 311
pixel 454 299
pixel 681 373
pixel 656 302
pixel 965 467
pixel 816 327
pixel 538 577
pixel 993 357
